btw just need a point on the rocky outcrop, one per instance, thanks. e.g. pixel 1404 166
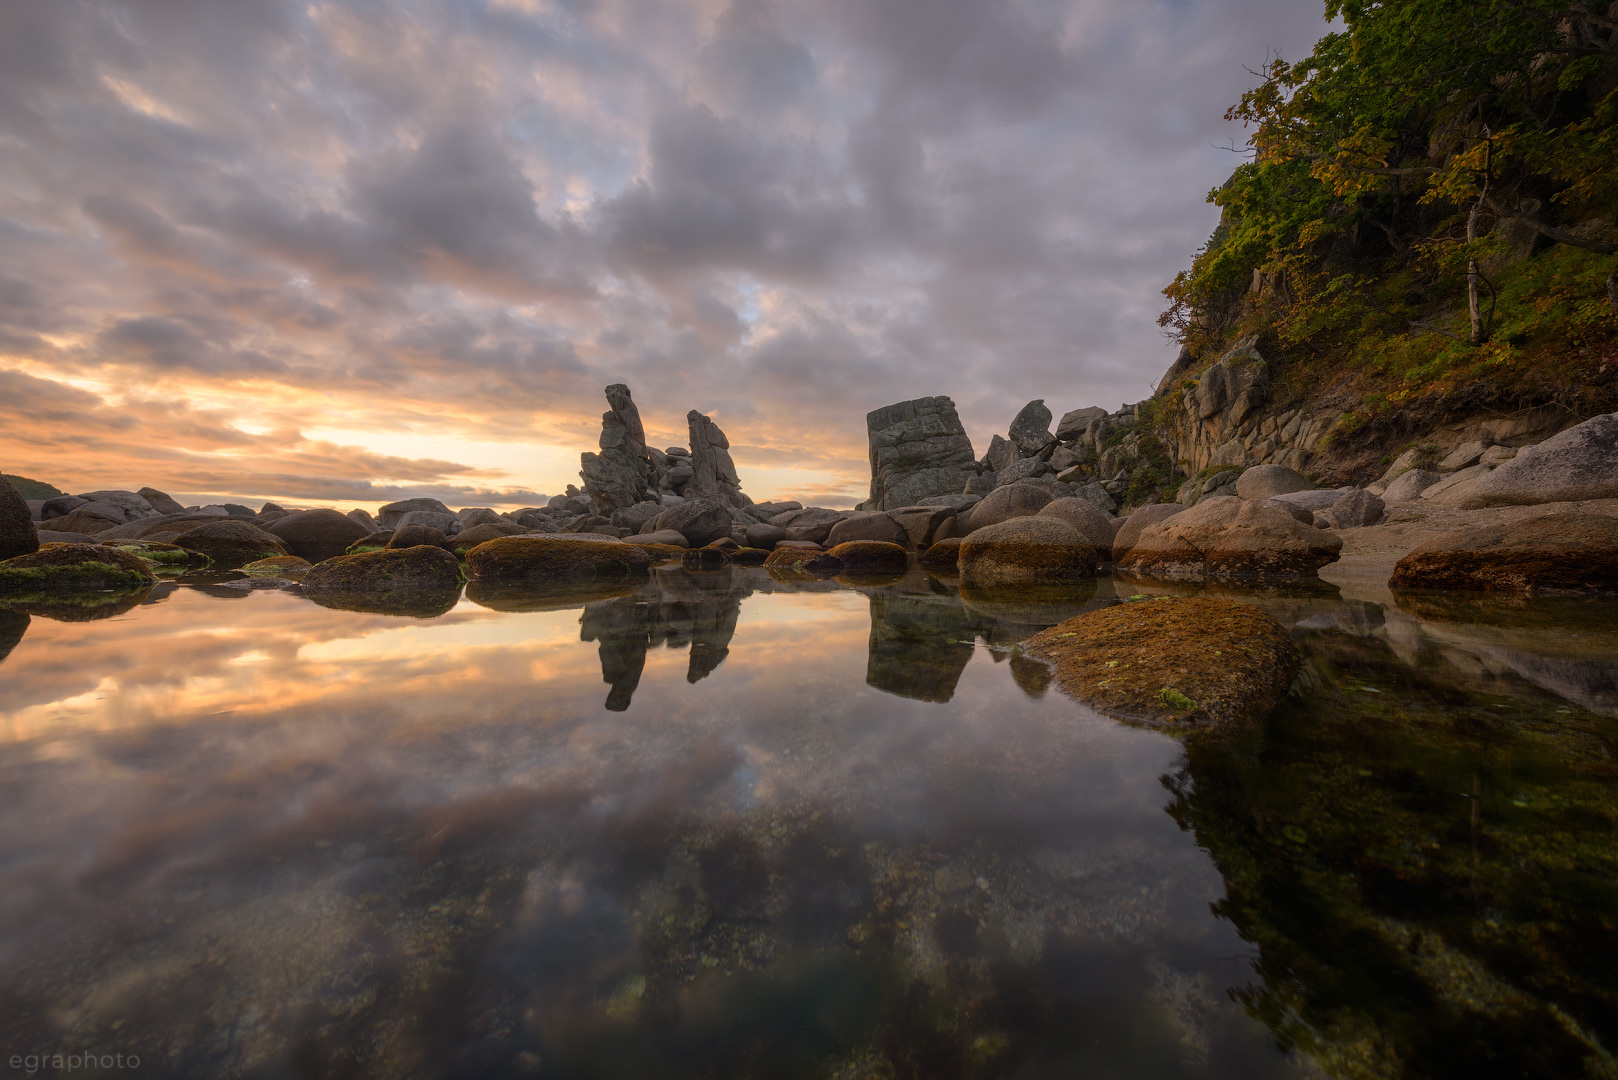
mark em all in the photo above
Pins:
pixel 17 534
pixel 1231 537
pixel 1173 663
pixel 918 449
pixel 1557 553
pixel 1031 428
pixel 713 472
pixel 623 474
pixel 1577 464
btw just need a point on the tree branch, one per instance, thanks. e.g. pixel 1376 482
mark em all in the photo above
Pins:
pixel 1551 232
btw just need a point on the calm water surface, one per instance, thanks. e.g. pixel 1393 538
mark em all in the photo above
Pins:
pixel 722 825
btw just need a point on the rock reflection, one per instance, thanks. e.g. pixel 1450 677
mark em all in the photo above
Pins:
pixel 77 606
pixel 413 602
pixel 13 625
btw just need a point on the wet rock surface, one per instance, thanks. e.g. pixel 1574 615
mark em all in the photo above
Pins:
pixel 1230 537
pixel 556 556
pixel 1566 552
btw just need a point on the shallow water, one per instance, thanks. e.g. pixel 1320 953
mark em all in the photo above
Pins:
pixel 723 825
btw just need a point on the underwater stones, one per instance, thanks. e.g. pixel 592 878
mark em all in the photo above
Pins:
pixel 1580 463
pixel 73 567
pixel 556 556
pixel 280 564
pixel 880 555
pixel 1027 550
pixel 1267 481
pixel 316 535
pixel 1556 553
pixel 917 449
pixel 942 556
pixel 230 543
pixel 388 516
pixel 1172 663
pixel 1231 537
pixel 421 569
pixel 1005 503
pixel 17 534
pixel 700 521
pixel 803 559
pixel 1094 524
pixel 875 526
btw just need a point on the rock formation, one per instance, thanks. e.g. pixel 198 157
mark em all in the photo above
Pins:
pixel 918 449
pixel 713 471
pixel 623 473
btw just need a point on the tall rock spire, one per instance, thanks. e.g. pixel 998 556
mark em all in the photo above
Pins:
pixel 622 474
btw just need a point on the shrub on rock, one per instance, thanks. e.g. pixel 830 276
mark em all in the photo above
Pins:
pixel 1026 550
pixel 556 555
pixel 74 566
pixel 230 543
pixel 17 534
pixel 1173 663
pixel 1231 537
pixel 942 557
pixel 871 555
pixel 1557 553
pixel 316 535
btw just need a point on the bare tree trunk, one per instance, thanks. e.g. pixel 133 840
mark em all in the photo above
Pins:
pixel 1612 294
pixel 1472 275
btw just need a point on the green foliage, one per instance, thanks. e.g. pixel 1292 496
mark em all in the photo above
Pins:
pixel 1174 699
pixel 33 489
pixel 1346 235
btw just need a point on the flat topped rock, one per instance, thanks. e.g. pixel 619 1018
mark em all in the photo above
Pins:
pixel 1580 463
pixel 1556 553
pixel 1172 663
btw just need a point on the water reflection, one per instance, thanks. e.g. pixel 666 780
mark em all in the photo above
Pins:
pixel 825 829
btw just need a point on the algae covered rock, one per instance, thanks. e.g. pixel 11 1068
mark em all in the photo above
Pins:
pixel 1557 553
pixel 1093 523
pixel 423 580
pixel 703 558
pixel 571 556
pixel 1172 662
pixel 871 555
pixel 942 557
pixel 171 558
pixel 1026 550
pixel 230 543
pixel 73 567
pixel 749 556
pixel 810 560
pixel 17 535
pixel 374 541
pixel 280 564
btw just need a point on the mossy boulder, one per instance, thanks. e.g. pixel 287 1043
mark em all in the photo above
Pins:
pixel 1178 663
pixel 1232 538
pixel 230 543
pixel 409 536
pixel 392 569
pixel 17 535
pixel 1557 553
pixel 1026 551
pixel 942 557
pixel 660 552
pixel 375 541
pixel 469 538
pixel 556 556
pixel 165 558
pixel 871 555
pixel 279 565
pixel 704 558
pixel 807 560
pixel 749 556
pixel 73 567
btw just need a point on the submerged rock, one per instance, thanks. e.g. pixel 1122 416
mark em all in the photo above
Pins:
pixel 1175 663
pixel 231 543
pixel 1231 537
pixel 556 556
pixel 1557 553
pixel 1026 550
pixel 871 555
pixel 72 567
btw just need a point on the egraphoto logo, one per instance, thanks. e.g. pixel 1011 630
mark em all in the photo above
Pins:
pixel 67 1064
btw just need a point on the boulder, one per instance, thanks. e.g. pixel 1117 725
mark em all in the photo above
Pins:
pixel 634 518
pixel 1468 453
pixel 703 558
pixel 799 559
pixel 1096 494
pixel 1357 509
pixel 1176 663
pixel 1092 523
pixel 364 520
pixel 374 542
pixel 917 449
pixel 446 523
pixel 211 510
pixel 942 557
pixel 1267 481
pixel 1297 512
pixel 59 506
pixel 17 533
pixel 51 536
pixel 1021 469
pixel 665 537
pixel 1580 463
pixel 73 567
pixel 1456 489
pixel 279 565
pixel 1311 500
pixel 389 515
pixel 423 568
pixel 952 502
pixel 713 471
pixel 876 526
pixel 1073 424
pixel 1002 454
pixel 170 557
pixel 35 509
pixel 1031 428
pixel 471 536
pixel 553 556
pixel 1557 553
pixel 477 515
pixel 623 474
pixel 316 535
pixel 160 502
pixel 871 555
pixel 409 536
pixel 533 518
pixel 920 523
pixel 131 507
pixel 1003 504
pixel 700 521
pixel 1231 537
pixel 230 543
pixel 749 556
pixel 88 519
pixel 1139 520
pixel 1409 485
pixel 764 536
pixel 1026 550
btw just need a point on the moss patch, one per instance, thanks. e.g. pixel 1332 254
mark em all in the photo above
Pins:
pixel 803 560
pixel 280 564
pixel 162 556
pixel 1172 663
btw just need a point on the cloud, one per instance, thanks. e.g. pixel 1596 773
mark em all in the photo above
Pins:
pixel 439 229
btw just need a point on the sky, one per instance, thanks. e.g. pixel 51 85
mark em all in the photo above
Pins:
pixel 343 253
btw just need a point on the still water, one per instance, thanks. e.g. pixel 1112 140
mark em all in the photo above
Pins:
pixel 722 825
